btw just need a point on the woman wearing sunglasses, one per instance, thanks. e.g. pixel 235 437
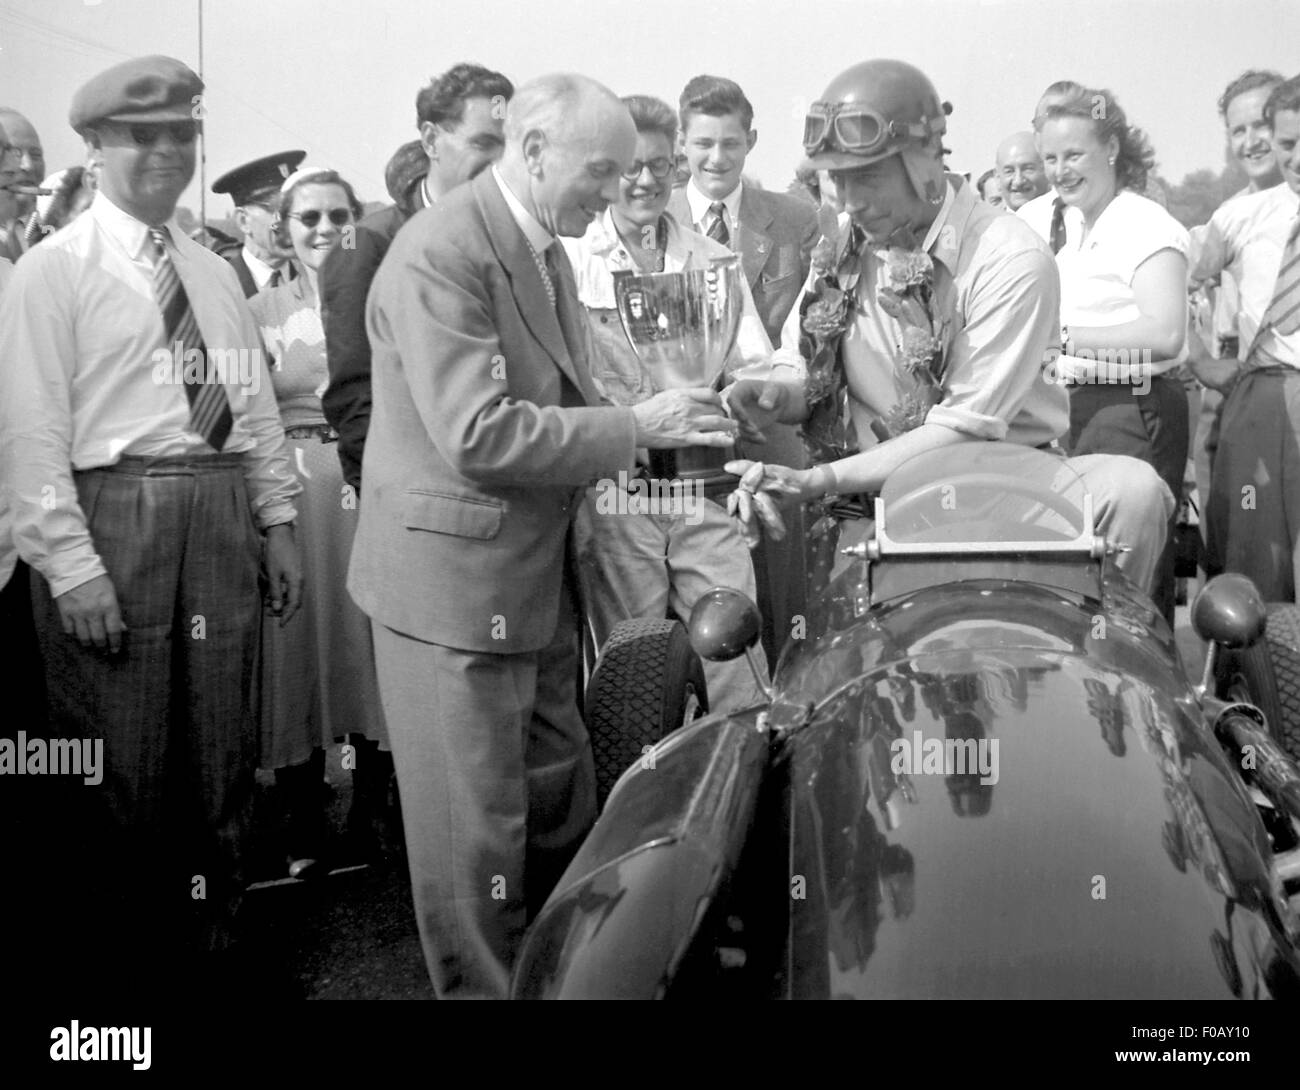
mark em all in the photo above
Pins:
pixel 318 675
pixel 639 565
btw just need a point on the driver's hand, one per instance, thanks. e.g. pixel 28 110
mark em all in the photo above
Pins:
pixel 752 505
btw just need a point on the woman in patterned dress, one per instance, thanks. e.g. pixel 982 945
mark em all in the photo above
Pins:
pixel 318 672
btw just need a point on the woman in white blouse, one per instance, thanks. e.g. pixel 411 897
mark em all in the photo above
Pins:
pixel 1123 296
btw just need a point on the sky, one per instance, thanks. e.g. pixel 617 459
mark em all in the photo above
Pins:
pixel 338 78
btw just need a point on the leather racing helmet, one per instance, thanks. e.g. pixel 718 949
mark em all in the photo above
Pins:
pixel 877 109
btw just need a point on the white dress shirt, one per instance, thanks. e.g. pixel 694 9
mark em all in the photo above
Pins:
pixel 258 269
pixel 1038 214
pixel 539 238
pixel 80 334
pixel 8 554
pixel 700 205
pixel 996 286
pixel 598 255
pixel 1097 272
pixel 1245 237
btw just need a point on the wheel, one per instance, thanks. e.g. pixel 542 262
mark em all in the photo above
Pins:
pixel 647 683
pixel 1268 675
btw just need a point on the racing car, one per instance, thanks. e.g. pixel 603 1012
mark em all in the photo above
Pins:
pixel 981 772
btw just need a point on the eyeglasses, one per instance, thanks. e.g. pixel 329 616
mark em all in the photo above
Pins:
pixel 146 136
pixel 659 168
pixel 859 129
pixel 340 217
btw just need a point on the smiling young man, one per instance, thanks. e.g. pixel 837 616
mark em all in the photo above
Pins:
pixel 878 129
pixel 139 499
pixel 1253 515
pixel 487 427
pixel 460 116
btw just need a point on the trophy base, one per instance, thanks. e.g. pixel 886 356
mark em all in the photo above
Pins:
pixel 698 467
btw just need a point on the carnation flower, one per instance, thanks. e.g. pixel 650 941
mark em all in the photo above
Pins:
pixel 909 269
pixel 824 319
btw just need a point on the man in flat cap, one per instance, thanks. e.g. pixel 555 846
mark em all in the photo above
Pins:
pixel 255 189
pixel 143 455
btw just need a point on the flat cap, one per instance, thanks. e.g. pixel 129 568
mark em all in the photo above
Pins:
pixel 140 90
pixel 260 177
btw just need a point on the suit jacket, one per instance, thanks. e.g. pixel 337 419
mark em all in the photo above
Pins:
pixel 345 280
pixel 483 435
pixel 775 238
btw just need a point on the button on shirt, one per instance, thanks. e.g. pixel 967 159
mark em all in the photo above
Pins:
pixel 1246 237
pixel 1097 271
pixel 598 255
pixel 87 380
pixel 997 285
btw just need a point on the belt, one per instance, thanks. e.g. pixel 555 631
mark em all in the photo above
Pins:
pixel 323 432
pixel 173 465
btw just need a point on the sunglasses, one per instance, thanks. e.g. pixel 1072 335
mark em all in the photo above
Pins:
pixel 858 129
pixel 340 217
pixel 146 136
pixel 659 168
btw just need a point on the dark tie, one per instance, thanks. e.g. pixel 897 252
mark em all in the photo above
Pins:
pixel 276 280
pixel 718 228
pixel 571 314
pixel 210 413
pixel 1283 312
pixel 1058 226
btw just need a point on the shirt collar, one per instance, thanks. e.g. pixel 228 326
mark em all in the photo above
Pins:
pixel 958 204
pixel 256 264
pixel 426 197
pixel 131 234
pixel 539 238
pixel 699 204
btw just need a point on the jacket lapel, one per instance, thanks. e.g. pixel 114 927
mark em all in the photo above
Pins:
pixel 525 277
pixel 751 234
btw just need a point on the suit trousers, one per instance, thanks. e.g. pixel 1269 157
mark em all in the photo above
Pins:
pixel 498 789
pixel 1253 515
pixel 174 707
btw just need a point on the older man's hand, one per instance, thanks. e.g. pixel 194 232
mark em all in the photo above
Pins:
pixel 91 614
pixel 683 418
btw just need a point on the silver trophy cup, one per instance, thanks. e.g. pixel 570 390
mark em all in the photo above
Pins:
pixel 682 326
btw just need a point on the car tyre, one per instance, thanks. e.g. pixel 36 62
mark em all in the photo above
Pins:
pixel 1268 675
pixel 648 682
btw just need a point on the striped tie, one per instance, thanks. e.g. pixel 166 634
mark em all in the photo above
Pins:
pixel 210 413
pixel 1283 312
pixel 718 229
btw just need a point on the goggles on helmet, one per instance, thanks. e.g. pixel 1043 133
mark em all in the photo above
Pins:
pixel 860 130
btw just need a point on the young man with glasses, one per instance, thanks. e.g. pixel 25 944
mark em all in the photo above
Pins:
pixel 255 188
pixel 638 564
pixel 146 487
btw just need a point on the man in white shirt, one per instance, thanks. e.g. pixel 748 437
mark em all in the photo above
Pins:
pixel 140 473
pixel 1020 170
pixel 995 285
pixel 255 189
pixel 1253 513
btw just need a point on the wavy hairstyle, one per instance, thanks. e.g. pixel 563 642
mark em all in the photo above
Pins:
pixel 1098 106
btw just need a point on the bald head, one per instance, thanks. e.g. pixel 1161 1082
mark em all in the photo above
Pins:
pixel 26 154
pixel 568 138
pixel 1020 170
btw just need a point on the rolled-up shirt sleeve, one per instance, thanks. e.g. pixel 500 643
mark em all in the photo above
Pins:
pixel 1209 253
pixel 1011 320
pixel 751 357
pixel 268 472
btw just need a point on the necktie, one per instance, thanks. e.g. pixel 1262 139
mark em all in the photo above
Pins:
pixel 210 413
pixel 1058 226
pixel 276 280
pixel 1283 312
pixel 718 228
pixel 544 269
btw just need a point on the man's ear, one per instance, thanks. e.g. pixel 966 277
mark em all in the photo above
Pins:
pixel 534 144
pixel 241 219
pixel 751 140
pixel 429 140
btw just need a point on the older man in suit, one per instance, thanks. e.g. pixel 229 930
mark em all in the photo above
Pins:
pixel 486 426
pixel 774 233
